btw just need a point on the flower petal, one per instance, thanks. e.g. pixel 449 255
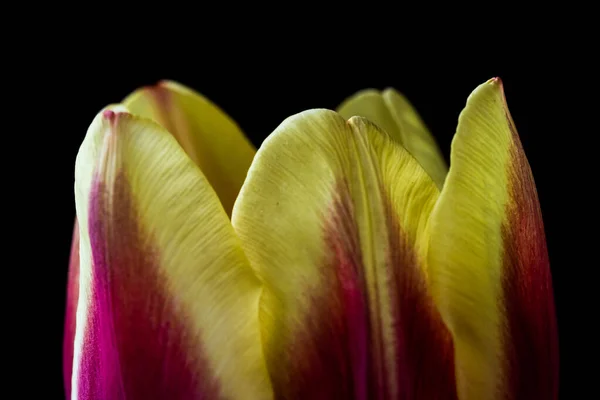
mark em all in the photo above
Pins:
pixel 394 114
pixel 332 217
pixel 488 260
pixel 208 135
pixel 168 306
pixel 71 310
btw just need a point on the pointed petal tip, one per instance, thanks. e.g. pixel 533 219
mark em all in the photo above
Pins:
pixel 496 81
pixel 497 84
pixel 111 115
pixel 113 110
pixel 155 89
pixel 146 89
pixel 160 84
pixel 362 123
pixel 354 119
pixel 166 82
pixel 493 87
pixel 176 87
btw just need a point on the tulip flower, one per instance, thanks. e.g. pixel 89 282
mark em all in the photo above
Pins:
pixel 342 260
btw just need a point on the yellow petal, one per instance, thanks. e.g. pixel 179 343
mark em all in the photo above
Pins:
pixel 488 262
pixel 168 305
pixel 391 111
pixel 332 216
pixel 208 135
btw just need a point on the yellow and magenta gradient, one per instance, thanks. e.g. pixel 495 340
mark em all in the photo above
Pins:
pixel 343 259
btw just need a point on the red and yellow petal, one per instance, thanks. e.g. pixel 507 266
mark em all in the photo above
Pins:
pixel 208 135
pixel 168 306
pixel 489 269
pixel 333 218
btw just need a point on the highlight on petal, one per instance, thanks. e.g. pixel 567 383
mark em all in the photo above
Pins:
pixel 168 305
pixel 71 310
pixel 333 218
pixel 489 269
pixel 393 113
pixel 207 134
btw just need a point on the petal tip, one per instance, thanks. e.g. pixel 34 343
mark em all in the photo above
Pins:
pixel 493 87
pixel 357 121
pixel 164 82
pixel 173 86
pixel 109 112
pixel 109 115
pixel 157 86
pixel 353 120
pixel 112 114
pixel 148 89
pixel 498 85
pixel 496 81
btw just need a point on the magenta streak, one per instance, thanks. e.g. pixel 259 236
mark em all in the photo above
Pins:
pixel 135 344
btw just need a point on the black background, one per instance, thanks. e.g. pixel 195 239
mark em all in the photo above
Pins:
pixel 259 90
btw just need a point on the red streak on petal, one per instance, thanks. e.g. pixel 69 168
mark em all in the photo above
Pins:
pixel 425 351
pixel 71 311
pixel 531 340
pixel 341 352
pixel 163 102
pixel 325 356
pixel 135 344
pixel 424 348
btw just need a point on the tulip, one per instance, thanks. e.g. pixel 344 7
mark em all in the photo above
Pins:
pixel 342 260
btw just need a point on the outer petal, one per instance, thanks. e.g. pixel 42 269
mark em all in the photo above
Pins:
pixel 488 259
pixel 207 134
pixel 168 305
pixel 71 310
pixel 332 217
pixel 394 114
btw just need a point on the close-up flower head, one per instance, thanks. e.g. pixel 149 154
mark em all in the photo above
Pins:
pixel 342 259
